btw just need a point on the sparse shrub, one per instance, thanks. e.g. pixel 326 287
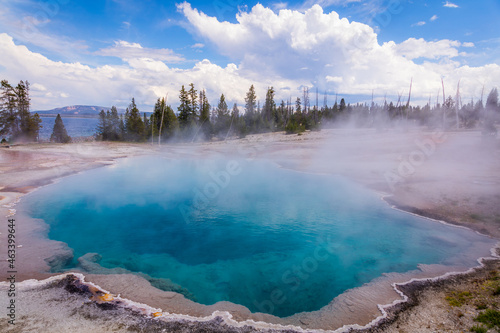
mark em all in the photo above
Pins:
pixel 477 217
pixel 478 329
pixel 493 286
pixel 481 306
pixel 490 318
pixel 293 127
pixel 458 298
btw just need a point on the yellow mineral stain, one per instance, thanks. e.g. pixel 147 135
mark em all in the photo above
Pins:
pixel 105 297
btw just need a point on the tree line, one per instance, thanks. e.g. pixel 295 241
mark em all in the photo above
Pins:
pixel 17 123
pixel 197 120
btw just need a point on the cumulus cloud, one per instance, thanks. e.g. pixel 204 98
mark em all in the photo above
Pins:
pixel 142 78
pixel 434 18
pixel 321 49
pixel 288 50
pixel 130 51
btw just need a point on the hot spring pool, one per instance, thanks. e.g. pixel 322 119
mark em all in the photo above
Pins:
pixel 273 240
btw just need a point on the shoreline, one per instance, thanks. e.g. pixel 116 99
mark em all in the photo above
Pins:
pixel 379 320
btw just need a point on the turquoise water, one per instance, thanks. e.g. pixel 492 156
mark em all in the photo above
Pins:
pixel 273 240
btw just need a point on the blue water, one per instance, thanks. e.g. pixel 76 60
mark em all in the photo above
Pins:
pixel 74 126
pixel 274 240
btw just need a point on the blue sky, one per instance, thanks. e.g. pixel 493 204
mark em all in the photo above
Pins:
pixel 149 48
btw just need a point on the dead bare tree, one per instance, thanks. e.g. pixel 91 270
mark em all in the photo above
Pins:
pixel 444 101
pixel 164 105
pixel 409 97
pixel 457 104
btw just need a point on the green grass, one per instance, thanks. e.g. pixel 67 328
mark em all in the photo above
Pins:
pixel 490 318
pixel 476 217
pixel 493 285
pixel 478 329
pixel 458 298
pixel 481 306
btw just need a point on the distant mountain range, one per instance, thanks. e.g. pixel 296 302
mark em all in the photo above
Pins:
pixel 76 111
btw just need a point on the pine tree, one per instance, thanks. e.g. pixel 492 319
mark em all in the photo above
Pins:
pixel 59 133
pixel 250 101
pixel 343 106
pixel 102 126
pixel 280 116
pixel 16 120
pixel 251 112
pixel 193 101
pixel 23 107
pixel 34 125
pixel 269 108
pixel 114 125
pixel 223 119
pixel 235 112
pixel 185 118
pixel 170 125
pixel 492 100
pixel 8 113
pixel 296 123
pixel 491 112
pixel 133 123
pixel 206 125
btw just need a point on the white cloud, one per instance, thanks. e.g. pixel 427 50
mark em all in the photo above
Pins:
pixel 419 48
pixel 198 46
pixel 287 50
pixel 321 49
pixel 468 44
pixel 128 51
pixel 280 5
pixel 59 83
pixel 421 23
pixel 434 18
pixel 336 79
pixel 38 87
pixel 450 5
